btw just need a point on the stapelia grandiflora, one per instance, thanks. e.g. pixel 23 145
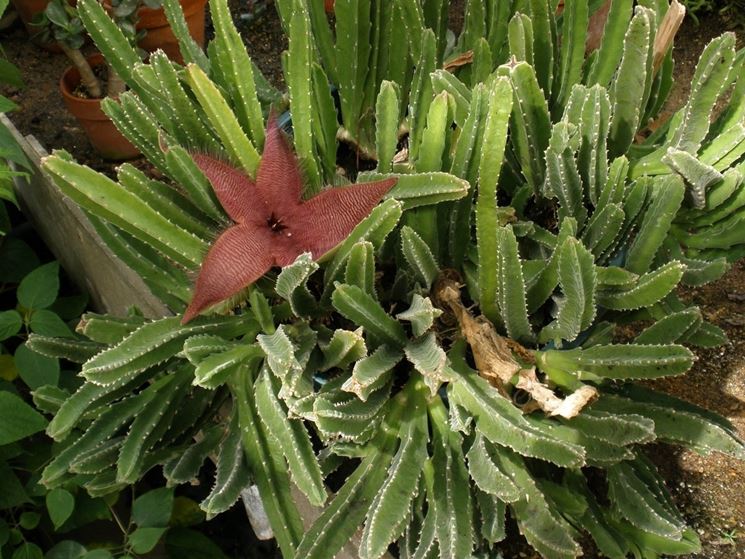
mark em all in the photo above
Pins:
pixel 273 224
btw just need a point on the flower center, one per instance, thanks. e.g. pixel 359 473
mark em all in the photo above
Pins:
pixel 275 224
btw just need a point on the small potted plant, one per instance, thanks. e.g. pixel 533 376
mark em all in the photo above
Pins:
pixel 89 80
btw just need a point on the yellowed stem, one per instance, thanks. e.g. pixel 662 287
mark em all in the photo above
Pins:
pixel 87 78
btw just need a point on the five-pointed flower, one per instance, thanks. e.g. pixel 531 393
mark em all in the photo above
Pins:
pixel 273 224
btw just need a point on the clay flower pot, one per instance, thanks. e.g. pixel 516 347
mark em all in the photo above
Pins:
pixel 159 34
pixel 27 10
pixel 101 132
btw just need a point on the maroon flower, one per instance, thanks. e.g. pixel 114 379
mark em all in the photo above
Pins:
pixel 273 224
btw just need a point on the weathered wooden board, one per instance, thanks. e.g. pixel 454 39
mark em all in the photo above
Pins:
pixel 112 286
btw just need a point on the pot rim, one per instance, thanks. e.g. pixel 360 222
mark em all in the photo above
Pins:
pixel 94 60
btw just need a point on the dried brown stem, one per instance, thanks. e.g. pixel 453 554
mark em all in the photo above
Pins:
pixel 116 85
pixel 666 32
pixel 496 358
pixel 87 78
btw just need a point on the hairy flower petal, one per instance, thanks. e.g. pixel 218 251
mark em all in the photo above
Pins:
pixel 328 218
pixel 236 191
pixel 278 179
pixel 240 256
pixel 274 225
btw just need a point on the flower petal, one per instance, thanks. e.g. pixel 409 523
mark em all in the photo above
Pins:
pixel 236 191
pixel 240 256
pixel 328 218
pixel 278 179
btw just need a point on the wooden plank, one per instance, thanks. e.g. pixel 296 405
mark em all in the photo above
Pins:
pixel 112 286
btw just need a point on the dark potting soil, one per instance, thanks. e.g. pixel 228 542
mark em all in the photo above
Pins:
pixel 710 490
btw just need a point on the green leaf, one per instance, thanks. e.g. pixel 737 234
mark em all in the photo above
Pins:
pixel 232 475
pixel 649 289
pixel 143 540
pixel 430 360
pixel 292 438
pixel 577 279
pixel 448 486
pixel 638 503
pixel 666 197
pixel 390 508
pixel 10 324
pixel 67 549
pixel 153 509
pixel 618 361
pixel 60 504
pixel 511 292
pixel 504 424
pixel 17 419
pixel 419 256
pixel 298 74
pixel 420 189
pixel 29 520
pixel 628 90
pixel 36 370
pixel 291 285
pixel 39 289
pixel 156 341
pixel 107 200
pixel 387 109
pixel 268 468
pixel 28 550
pixel 236 142
pixel 47 323
pixel 540 522
pixel 99 553
pixel 12 493
pixel 421 314
pixel 182 542
pixel 280 356
pixel 363 310
pixel 487 219
pixel 486 471
pixel 710 77
pixel 372 372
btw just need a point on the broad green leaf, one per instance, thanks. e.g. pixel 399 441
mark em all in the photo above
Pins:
pixel 292 439
pixel 618 361
pixel 17 419
pixel 363 310
pixel 28 550
pixel 39 289
pixel 60 505
pixel 36 370
pixel 10 324
pixel 143 540
pixel 47 323
pixel 153 509
pixel 487 220
pixel 66 549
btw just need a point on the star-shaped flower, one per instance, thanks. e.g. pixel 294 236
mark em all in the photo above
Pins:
pixel 273 224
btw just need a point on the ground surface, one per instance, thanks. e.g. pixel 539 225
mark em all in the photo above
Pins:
pixel 710 490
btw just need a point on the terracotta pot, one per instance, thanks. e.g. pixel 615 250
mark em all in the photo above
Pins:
pixel 329 4
pixel 101 132
pixel 27 10
pixel 159 34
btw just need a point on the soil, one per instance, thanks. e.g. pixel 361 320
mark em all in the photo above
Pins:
pixel 709 489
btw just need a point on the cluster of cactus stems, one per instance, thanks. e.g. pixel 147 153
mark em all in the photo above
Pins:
pixel 453 361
